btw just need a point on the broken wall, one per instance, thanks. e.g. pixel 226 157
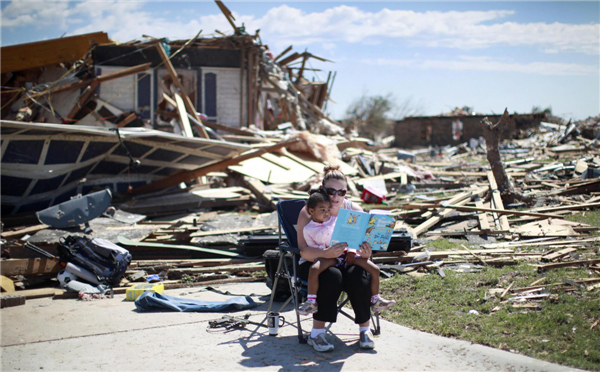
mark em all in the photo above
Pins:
pixel 446 130
pixel 211 78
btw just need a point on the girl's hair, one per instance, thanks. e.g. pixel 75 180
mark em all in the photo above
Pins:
pixel 316 196
pixel 333 172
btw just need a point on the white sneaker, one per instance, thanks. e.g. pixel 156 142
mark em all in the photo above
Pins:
pixel 366 340
pixel 320 343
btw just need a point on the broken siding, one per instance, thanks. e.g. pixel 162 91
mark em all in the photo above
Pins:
pixel 121 92
pixel 225 98
pixel 188 78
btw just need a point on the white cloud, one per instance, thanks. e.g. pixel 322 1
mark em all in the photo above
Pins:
pixel 284 25
pixel 465 63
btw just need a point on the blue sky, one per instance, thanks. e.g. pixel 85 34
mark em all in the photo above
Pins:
pixel 438 55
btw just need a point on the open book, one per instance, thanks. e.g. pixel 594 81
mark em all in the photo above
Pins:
pixel 354 227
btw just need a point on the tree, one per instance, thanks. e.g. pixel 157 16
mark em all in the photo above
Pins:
pixel 491 132
pixel 369 115
pixel 540 110
pixel 373 116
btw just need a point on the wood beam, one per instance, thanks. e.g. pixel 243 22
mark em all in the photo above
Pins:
pixel 186 100
pixel 227 14
pixel 100 79
pixel 87 93
pixel 48 52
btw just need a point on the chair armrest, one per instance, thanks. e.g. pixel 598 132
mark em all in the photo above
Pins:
pixel 288 248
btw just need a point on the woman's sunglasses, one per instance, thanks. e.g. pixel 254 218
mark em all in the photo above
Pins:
pixel 332 192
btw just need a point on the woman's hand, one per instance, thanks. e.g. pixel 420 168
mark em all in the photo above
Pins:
pixel 365 250
pixel 335 250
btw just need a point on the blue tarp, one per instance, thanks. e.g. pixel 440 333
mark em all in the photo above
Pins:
pixel 149 301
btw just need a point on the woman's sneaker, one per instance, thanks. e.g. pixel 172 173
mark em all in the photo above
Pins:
pixel 307 308
pixel 382 304
pixel 366 340
pixel 320 343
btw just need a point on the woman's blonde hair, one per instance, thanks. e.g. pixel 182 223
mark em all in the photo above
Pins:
pixel 333 172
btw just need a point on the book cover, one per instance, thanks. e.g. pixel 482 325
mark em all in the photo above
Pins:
pixel 354 227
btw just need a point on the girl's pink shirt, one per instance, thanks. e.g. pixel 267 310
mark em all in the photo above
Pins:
pixel 317 234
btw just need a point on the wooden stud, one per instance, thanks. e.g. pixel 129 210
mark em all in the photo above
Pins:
pixel 186 100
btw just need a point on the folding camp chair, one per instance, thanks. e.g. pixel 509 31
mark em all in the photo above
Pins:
pixel 288 212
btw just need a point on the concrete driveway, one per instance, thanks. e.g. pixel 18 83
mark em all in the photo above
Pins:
pixel 60 335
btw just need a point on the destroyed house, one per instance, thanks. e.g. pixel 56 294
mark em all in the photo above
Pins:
pixel 83 113
pixel 213 78
pixel 456 129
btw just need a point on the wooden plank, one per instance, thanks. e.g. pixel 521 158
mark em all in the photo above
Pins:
pixel 24 231
pixel 227 15
pixel 100 79
pixel 284 52
pixel 401 175
pixel 287 60
pixel 569 207
pixel 261 193
pixel 435 255
pixel 567 264
pixel 201 262
pixel 229 268
pixel 474 255
pixel 497 199
pixel 6 284
pixel 484 224
pixel 232 231
pixel 38 293
pixel 198 172
pixel 501 211
pixel 48 52
pixel 540 243
pixel 183 118
pixel 274 159
pixel 470 174
pixel 29 266
pixel 175 78
pixel 91 89
pixel 559 254
pixel 506 290
pixel 457 200
pixel 127 242
pixel 251 88
pixel 534 286
pixel 548 230
pixel 131 117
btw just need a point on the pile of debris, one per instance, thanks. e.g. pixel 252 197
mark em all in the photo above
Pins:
pixel 199 139
pixel 196 235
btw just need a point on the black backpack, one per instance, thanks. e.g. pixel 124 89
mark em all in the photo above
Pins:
pixel 99 256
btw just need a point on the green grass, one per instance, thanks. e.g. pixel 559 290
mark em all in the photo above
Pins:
pixel 559 333
pixel 443 244
pixel 590 217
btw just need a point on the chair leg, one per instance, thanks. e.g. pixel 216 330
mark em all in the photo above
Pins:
pixel 376 325
pixel 274 289
pixel 294 289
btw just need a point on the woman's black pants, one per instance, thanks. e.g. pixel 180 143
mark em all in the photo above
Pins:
pixel 352 280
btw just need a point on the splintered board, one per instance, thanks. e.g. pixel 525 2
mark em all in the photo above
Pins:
pixel 130 243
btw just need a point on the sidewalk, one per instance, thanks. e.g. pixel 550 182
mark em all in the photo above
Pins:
pixel 110 335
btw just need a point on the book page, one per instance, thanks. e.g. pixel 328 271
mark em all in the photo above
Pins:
pixel 350 228
pixel 379 231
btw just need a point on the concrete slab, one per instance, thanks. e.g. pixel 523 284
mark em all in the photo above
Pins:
pixel 110 335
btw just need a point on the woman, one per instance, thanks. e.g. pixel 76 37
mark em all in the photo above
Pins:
pixel 352 280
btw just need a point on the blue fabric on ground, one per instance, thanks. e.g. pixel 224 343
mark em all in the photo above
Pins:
pixel 149 301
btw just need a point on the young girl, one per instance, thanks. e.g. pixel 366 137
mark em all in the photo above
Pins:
pixel 317 234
